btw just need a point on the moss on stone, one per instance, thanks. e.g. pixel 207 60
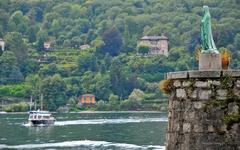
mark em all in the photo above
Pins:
pixel 166 86
pixel 226 82
pixel 230 119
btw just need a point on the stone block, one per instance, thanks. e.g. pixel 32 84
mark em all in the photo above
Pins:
pixel 204 94
pixel 216 83
pixel 177 75
pixel 210 128
pixel 210 61
pixel 176 105
pixel 177 83
pixel 186 83
pixel 193 94
pixel 222 94
pixel 201 84
pixel 197 128
pixel 176 127
pixel 236 92
pixel 181 93
pixel 233 108
pixel 237 84
pixel 231 73
pixel 198 105
pixel 204 74
pixel 186 127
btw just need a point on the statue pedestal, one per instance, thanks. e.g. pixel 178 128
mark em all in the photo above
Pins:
pixel 210 61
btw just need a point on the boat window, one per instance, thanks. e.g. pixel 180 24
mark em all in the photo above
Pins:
pixel 46 117
pixel 39 117
pixel 35 117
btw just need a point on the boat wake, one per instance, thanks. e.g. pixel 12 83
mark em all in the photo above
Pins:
pixel 85 144
pixel 109 121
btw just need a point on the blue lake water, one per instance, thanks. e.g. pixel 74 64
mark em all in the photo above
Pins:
pixel 101 131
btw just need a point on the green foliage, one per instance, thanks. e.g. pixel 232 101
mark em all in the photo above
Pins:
pixel 53 88
pixel 111 68
pixel 15 43
pixel 17 107
pixel 112 42
pixel 143 49
pixel 17 90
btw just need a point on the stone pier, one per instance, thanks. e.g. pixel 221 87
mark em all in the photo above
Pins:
pixel 204 110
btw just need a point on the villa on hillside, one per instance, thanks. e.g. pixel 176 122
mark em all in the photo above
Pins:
pixel 85 46
pixel 158 45
pixel 2 44
pixel 87 99
pixel 47 45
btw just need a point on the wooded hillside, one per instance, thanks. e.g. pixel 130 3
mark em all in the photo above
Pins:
pixel 111 68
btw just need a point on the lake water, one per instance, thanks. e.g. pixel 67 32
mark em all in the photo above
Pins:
pixel 101 131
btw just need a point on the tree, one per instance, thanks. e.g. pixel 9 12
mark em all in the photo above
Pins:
pixel 53 89
pixel 18 22
pixel 87 61
pixel 15 43
pixel 112 42
pixel 8 61
pixel 143 49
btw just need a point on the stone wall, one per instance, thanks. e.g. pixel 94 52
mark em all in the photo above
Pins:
pixel 204 110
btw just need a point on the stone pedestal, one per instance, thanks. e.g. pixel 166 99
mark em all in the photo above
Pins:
pixel 210 61
pixel 204 110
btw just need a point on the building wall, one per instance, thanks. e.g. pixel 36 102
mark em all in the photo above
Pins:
pixel 156 46
pixel 204 111
pixel 88 99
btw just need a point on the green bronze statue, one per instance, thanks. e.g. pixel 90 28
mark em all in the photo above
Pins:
pixel 207 42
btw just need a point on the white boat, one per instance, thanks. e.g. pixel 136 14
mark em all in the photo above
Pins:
pixel 38 118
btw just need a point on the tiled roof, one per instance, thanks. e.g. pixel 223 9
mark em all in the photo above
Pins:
pixel 162 37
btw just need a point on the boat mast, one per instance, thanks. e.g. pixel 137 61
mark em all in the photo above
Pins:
pixel 2 105
pixel 30 105
pixel 41 101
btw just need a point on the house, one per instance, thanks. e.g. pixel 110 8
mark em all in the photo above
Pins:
pixel 85 46
pixel 2 44
pixel 87 99
pixel 47 45
pixel 158 45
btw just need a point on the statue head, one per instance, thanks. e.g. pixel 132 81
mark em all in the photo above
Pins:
pixel 205 9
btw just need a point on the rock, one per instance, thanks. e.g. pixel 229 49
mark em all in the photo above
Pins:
pixel 237 84
pixel 204 94
pixel 210 128
pixel 186 127
pixel 201 84
pixel 186 83
pixel 177 83
pixel 197 128
pixel 233 108
pixel 221 94
pixel 198 105
pixel 217 83
pixel 193 94
pixel 181 93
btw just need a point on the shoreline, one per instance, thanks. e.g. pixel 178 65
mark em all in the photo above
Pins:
pixel 88 112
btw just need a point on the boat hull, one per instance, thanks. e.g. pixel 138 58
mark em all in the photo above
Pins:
pixel 41 122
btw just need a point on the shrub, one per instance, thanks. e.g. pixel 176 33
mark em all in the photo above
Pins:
pixel 17 107
pixel 143 49
pixel 164 86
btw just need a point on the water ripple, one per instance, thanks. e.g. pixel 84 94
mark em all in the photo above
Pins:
pixel 85 144
pixel 109 121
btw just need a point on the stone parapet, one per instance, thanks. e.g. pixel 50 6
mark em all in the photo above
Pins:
pixel 204 110
pixel 202 74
